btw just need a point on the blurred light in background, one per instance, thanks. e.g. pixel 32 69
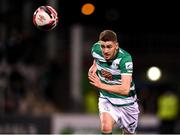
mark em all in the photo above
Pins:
pixel 154 73
pixel 87 9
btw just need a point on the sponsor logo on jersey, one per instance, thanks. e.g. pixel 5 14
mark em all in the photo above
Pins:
pixel 107 75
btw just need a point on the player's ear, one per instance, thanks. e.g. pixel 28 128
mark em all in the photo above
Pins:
pixel 117 45
pixel 100 42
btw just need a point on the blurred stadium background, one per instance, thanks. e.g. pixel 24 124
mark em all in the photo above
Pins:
pixel 43 75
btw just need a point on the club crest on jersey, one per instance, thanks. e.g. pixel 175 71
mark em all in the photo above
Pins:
pixel 115 64
pixel 129 65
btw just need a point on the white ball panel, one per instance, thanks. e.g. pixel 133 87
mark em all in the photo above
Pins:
pixel 42 18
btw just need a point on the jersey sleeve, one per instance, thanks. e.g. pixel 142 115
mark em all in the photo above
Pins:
pixel 126 65
pixel 95 48
pixel 96 52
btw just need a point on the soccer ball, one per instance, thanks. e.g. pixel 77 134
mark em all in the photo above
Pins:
pixel 45 18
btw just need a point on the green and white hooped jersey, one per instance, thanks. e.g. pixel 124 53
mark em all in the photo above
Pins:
pixel 120 65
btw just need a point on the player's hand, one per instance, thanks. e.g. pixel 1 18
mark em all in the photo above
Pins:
pixel 92 70
pixel 94 80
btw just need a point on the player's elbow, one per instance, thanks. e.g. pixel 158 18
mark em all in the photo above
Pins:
pixel 125 91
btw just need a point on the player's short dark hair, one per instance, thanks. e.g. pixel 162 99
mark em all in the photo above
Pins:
pixel 108 35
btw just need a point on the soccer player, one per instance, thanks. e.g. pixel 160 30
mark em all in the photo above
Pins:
pixel 111 72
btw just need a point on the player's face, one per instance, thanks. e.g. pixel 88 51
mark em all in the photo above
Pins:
pixel 109 49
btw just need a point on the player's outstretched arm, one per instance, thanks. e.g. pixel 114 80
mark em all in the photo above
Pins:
pixel 92 69
pixel 122 89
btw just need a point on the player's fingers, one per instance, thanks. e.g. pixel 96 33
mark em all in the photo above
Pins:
pixel 89 72
pixel 91 83
pixel 91 78
pixel 94 84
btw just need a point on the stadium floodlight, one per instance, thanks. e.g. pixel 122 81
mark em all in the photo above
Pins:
pixel 154 73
